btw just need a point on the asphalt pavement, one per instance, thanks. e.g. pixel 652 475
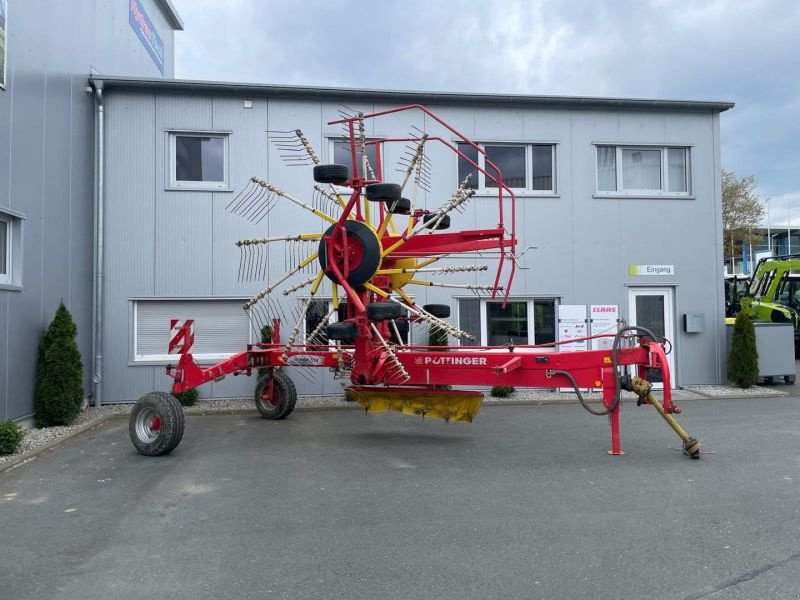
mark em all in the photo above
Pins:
pixel 522 503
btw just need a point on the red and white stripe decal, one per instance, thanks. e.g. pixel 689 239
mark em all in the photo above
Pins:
pixel 181 337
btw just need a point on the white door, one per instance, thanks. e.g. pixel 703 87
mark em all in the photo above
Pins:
pixel 653 308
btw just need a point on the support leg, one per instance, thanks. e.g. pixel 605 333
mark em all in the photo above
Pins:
pixel 613 417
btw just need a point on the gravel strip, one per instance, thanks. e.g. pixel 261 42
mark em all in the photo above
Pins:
pixel 36 440
pixel 724 391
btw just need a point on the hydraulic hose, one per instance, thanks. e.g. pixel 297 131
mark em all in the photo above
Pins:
pixel 640 332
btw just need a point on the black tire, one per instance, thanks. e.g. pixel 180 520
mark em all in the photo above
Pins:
pixel 383 311
pixel 790 379
pixel 430 220
pixel 401 206
pixel 378 192
pixel 441 311
pixel 365 244
pixel 156 424
pixel 402 328
pixel 284 396
pixel 336 174
pixel 342 332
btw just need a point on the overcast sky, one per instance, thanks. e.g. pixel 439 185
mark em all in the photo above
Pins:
pixel 745 51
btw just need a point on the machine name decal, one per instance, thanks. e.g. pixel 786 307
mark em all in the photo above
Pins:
pixel 304 361
pixel 452 361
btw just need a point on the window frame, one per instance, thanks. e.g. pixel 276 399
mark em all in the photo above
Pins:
pixel 143 360
pixel 482 190
pixel 7 277
pixel 664 192
pixel 174 184
pixel 379 147
pixel 12 278
pixel 530 308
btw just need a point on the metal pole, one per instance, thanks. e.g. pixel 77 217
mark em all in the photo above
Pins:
pixel 769 236
pixel 97 377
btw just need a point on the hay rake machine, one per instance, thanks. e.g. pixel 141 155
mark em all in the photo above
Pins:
pixel 378 242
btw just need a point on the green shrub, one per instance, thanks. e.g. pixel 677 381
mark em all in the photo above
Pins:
pixel 187 398
pixel 11 435
pixel 266 338
pixel 437 337
pixel 502 391
pixel 58 391
pixel 743 357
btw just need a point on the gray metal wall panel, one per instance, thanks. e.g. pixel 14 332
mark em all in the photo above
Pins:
pixel 131 188
pixel 46 165
pixel 247 158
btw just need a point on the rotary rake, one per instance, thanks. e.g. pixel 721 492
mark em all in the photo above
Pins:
pixel 378 242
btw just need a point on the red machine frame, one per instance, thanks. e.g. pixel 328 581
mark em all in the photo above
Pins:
pixel 370 363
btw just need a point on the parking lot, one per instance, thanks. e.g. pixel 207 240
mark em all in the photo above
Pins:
pixel 523 503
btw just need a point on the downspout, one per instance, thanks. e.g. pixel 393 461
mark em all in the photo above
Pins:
pixel 99 167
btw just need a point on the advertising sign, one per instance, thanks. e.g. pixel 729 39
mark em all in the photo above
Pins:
pixel 603 318
pixel 572 325
pixel 146 32
pixel 3 13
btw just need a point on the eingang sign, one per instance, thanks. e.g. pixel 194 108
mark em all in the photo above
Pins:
pixel 146 32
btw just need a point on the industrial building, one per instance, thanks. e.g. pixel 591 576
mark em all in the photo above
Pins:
pixel 618 208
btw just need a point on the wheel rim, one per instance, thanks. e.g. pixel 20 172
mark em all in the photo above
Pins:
pixel 148 425
pixel 270 402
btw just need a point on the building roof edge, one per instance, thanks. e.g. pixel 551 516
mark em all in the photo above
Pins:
pixel 405 96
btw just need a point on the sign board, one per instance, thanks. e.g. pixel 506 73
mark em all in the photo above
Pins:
pixel 603 318
pixel 3 38
pixel 146 32
pixel 637 270
pixel 571 326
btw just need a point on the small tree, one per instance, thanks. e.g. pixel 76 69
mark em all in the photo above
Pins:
pixel 742 211
pixel 743 357
pixel 59 373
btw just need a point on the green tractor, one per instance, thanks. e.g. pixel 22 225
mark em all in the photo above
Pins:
pixel 775 290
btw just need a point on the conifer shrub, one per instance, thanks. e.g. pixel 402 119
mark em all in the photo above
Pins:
pixel 437 337
pixel 266 338
pixel 743 356
pixel 502 391
pixel 58 390
pixel 187 398
pixel 11 435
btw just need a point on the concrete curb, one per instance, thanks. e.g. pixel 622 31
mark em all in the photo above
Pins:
pixel 734 396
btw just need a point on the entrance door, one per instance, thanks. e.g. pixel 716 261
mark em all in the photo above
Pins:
pixel 653 308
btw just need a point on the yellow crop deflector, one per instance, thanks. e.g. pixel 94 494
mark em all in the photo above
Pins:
pixel 450 405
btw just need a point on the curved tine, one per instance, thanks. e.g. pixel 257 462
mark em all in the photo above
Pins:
pixel 255 205
pixel 243 196
pixel 254 199
pixel 268 205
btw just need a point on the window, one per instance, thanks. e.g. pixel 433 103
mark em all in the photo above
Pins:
pixel 643 170
pixel 526 168
pixel 221 328
pixel 342 156
pixel 10 249
pixel 198 161
pixel 527 321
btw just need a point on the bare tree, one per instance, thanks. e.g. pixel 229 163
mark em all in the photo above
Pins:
pixel 742 211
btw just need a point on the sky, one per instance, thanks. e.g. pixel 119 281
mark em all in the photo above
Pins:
pixel 744 51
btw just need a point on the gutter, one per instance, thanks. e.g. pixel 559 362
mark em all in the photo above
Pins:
pixel 99 206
